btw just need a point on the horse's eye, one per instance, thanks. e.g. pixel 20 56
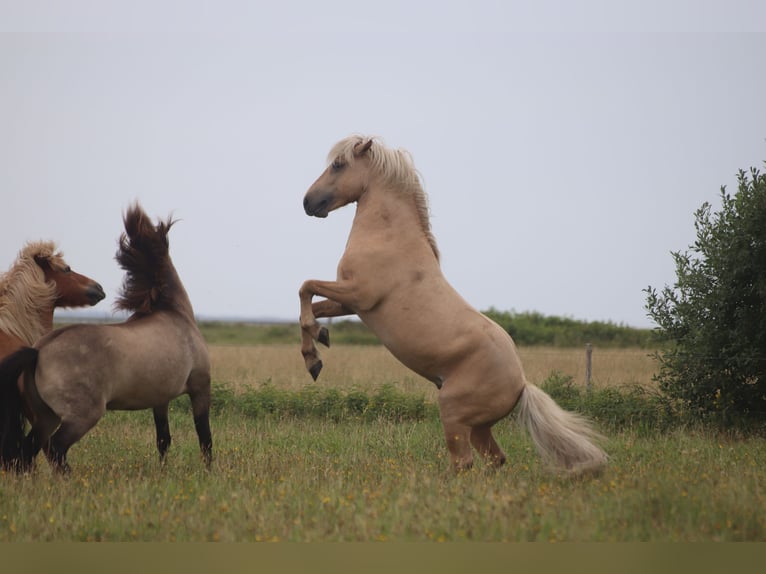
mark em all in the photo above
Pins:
pixel 67 269
pixel 337 165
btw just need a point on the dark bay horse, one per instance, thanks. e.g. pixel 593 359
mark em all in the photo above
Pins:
pixel 38 282
pixel 76 373
pixel 390 276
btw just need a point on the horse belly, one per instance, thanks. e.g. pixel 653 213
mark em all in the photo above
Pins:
pixel 147 386
pixel 419 345
pixel 442 341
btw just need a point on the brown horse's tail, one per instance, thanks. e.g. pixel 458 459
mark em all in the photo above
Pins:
pixel 563 439
pixel 11 409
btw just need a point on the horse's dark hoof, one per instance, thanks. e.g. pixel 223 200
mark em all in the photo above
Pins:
pixel 324 336
pixel 315 369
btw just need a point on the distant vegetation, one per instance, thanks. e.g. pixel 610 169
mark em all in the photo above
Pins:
pixel 246 333
pixel 527 329
pixel 531 328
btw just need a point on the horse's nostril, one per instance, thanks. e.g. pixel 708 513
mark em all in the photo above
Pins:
pixel 305 202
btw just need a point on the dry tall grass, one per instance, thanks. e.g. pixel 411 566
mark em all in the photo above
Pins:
pixel 348 366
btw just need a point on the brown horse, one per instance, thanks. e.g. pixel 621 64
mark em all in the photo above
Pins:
pixel 391 278
pixel 38 282
pixel 74 374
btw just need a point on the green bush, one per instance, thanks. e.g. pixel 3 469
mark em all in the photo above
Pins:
pixel 629 407
pixel 714 317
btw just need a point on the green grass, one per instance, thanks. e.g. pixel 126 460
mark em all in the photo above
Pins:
pixel 311 478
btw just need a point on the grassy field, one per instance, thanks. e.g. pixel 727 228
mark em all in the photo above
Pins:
pixel 288 478
pixel 371 365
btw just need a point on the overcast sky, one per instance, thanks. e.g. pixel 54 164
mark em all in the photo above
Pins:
pixel 564 145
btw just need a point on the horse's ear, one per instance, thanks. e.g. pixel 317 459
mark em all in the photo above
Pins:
pixel 363 148
pixel 42 262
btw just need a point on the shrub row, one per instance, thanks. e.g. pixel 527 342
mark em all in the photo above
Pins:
pixel 320 402
pixel 612 409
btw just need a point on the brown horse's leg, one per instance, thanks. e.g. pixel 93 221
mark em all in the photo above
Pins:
pixel 29 450
pixel 67 434
pixel 483 441
pixel 57 448
pixel 200 400
pixel 163 430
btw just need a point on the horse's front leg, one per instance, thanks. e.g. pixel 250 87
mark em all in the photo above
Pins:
pixel 337 303
pixel 162 427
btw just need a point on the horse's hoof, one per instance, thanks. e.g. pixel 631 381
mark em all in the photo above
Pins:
pixel 324 336
pixel 315 370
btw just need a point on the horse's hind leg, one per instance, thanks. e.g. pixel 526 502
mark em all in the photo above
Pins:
pixel 67 434
pixel 29 449
pixel 57 448
pixel 163 430
pixel 483 441
pixel 459 446
pixel 45 424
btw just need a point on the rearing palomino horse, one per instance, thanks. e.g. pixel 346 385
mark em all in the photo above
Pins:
pixel 38 282
pixel 390 277
pixel 74 374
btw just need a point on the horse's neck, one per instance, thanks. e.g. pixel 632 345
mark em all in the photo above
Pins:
pixel 388 212
pixel 28 321
pixel 180 300
pixel 46 319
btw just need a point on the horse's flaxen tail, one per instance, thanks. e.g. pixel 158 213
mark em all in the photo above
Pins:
pixel 562 438
pixel 11 409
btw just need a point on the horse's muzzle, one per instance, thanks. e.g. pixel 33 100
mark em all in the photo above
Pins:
pixel 317 204
pixel 95 293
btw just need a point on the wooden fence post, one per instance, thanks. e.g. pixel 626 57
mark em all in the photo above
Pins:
pixel 588 365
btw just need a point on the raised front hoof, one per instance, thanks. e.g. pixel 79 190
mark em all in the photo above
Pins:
pixel 324 337
pixel 315 369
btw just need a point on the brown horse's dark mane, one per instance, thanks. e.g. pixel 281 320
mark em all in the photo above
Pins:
pixel 151 282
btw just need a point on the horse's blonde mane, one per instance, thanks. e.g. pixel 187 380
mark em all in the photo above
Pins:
pixel 23 291
pixel 396 169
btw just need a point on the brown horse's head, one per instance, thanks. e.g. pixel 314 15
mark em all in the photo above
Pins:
pixel 344 180
pixel 72 289
pixel 39 281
